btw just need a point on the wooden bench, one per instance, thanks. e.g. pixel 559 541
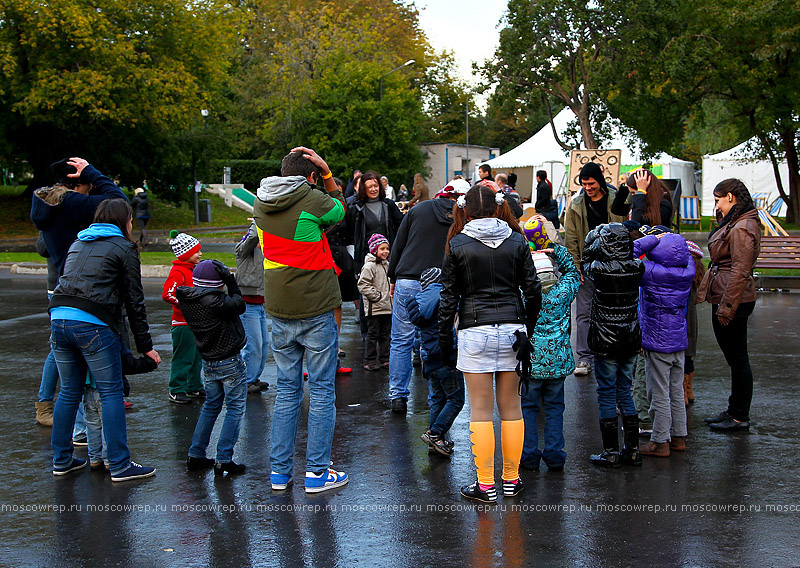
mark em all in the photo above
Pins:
pixel 779 252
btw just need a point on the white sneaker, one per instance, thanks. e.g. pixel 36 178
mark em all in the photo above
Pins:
pixel 582 368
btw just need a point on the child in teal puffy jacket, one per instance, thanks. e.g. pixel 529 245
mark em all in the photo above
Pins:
pixel 551 358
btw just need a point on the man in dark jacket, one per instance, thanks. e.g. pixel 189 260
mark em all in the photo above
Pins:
pixel 213 317
pixel 419 244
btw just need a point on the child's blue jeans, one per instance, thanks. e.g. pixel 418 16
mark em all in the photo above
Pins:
pixel 551 394
pixel 445 398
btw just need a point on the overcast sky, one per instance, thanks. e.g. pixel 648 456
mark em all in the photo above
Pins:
pixel 467 27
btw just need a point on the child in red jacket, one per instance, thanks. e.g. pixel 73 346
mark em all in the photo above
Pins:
pixel 184 370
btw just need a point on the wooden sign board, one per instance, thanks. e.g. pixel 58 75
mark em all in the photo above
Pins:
pixel 608 160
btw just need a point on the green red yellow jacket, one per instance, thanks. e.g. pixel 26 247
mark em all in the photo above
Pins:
pixel 299 278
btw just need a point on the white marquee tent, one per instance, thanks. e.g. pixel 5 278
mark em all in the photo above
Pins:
pixel 542 152
pixel 757 175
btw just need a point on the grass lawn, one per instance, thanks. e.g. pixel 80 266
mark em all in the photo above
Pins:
pixel 147 257
pixel 15 211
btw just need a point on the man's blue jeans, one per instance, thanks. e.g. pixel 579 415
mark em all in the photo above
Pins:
pixel 551 393
pixel 318 339
pixel 614 379
pixel 224 381
pixel 445 397
pixel 254 320
pixel 76 346
pixel 400 366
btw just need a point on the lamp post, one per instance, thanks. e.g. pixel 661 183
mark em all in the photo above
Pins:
pixel 195 183
pixel 406 64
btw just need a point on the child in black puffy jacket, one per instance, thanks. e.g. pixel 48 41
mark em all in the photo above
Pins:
pixel 213 317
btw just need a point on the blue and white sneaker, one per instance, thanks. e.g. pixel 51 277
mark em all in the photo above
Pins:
pixel 134 471
pixel 74 465
pixel 280 481
pixel 331 479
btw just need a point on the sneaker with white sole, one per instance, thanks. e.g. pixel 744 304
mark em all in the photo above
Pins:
pixel 134 471
pixel 74 465
pixel 280 481
pixel 511 488
pixel 330 479
pixel 475 492
pixel 582 368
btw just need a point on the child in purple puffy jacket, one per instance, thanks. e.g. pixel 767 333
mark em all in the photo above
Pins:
pixel 665 287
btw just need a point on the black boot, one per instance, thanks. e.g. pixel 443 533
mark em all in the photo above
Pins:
pixel 630 453
pixel 610 456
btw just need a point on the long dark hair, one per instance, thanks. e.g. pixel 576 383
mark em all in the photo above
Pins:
pixel 115 212
pixel 362 188
pixel 652 202
pixel 737 188
pixel 480 204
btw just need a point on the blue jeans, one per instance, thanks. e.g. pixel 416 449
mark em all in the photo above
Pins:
pixel 445 397
pixel 551 393
pixel 224 381
pixel 78 346
pixel 318 339
pixel 614 380
pixel 92 408
pixel 254 320
pixel 403 331
pixel 47 392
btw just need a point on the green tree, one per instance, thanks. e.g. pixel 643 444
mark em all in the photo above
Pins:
pixel 120 83
pixel 555 50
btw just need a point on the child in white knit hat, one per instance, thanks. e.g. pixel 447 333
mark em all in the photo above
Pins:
pixel 185 381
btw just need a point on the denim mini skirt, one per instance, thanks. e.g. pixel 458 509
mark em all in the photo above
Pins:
pixel 487 348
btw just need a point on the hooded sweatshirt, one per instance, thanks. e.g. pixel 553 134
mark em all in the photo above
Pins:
pixel 424 233
pixel 299 278
pixel 60 212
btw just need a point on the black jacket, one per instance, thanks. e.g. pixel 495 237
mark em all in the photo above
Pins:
pixel 141 206
pixel 636 206
pixel 100 277
pixel 613 321
pixel 213 317
pixel 483 285
pixel 421 239
pixel 356 232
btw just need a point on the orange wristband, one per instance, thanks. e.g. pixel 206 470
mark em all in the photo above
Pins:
pixel 328 176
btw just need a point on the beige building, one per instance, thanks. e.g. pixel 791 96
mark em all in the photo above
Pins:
pixel 448 160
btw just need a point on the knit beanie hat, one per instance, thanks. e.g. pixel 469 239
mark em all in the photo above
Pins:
pixel 205 274
pixel 183 245
pixel 375 241
pixel 695 249
pixel 544 270
pixel 430 276
pixel 536 234
pixel 591 170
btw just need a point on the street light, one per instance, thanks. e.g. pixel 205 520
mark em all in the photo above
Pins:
pixel 406 64
pixel 195 183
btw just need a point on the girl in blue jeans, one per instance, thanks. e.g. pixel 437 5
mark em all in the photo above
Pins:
pixel 551 352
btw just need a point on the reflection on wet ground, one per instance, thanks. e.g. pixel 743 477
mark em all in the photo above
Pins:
pixel 716 505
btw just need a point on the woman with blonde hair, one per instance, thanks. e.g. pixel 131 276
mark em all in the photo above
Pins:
pixel 487 263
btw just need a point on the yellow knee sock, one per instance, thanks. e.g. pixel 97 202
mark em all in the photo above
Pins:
pixel 483 450
pixel 512 437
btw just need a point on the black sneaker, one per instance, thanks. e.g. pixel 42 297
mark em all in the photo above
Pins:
pixel 721 417
pixel 196 394
pixel 134 471
pixel 511 489
pixel 179 398
pixel 399 405
pixel 74 465
pixel 475 492
pixel 81 440
pixel 436 442
pixel 197 464
pixel 231 467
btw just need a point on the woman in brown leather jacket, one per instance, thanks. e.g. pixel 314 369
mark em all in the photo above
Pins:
pixel 730 289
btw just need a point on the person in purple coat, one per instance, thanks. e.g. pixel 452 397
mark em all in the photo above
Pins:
pixel 665 286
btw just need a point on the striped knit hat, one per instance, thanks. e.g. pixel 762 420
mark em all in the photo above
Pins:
pixel 430 276
pixel 205 274
pixel 183 245
pixel 375 241
pixel 695 249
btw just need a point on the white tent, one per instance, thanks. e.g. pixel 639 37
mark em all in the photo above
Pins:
pixel 542 152
pixel 757 175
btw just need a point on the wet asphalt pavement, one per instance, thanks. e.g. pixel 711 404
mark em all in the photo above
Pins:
pixel 730 500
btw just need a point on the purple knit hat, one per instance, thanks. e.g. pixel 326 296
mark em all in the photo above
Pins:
pixel 375 241
pixel 206 275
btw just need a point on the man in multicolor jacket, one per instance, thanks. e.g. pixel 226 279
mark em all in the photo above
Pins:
pixel 300 293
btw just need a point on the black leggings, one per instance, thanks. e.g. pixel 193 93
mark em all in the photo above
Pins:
pixel 732 339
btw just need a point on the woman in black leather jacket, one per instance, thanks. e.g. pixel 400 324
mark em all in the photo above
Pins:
pixel 101 275
pixel 487 261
